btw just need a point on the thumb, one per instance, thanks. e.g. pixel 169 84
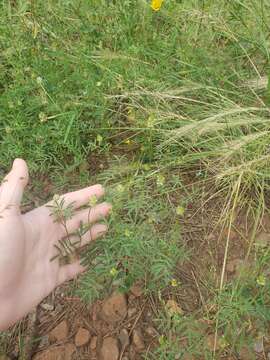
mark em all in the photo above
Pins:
pixel 12 188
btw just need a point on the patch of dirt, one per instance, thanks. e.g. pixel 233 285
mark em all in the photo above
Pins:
pixel 69 329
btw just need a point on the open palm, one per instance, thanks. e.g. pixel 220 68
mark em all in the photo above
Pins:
pixel 28 243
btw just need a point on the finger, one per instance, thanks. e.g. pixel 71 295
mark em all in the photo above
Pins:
pixel 68 272
pixel 13 185
pixel 94 233
pixel 81 197
pixel 86 216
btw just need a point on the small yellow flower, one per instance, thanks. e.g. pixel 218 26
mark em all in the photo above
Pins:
pixel 113 271
pixel 160 180
pixel 180 210
pixel 99 139
pixel 261 280
pixel 56 198
pixel 131 115
pixel 150 121
pixel 151 219
pixel 223 343
pixel 162 340
pixel 39 80
pixel 128 142
pixel 92 201
pixel 120 188
pixel 127 233
pixel 42 117
pixel 174 283
pixel 156 4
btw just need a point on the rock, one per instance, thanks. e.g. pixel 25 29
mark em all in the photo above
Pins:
pixel 93 343
pixel 109 349
pixel 60 332
pixel 131 312
pixel 82 337
pixel 258 345
pixel 151 331
pixel 136 290
pixel 125 358
pixel 47 307
pixel 114 309
pixel 268 356
pixel 124 338
pixel 173 308
pixel 137 340
pixel 63 352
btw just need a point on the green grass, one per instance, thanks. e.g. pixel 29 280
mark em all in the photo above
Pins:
pixel 174 105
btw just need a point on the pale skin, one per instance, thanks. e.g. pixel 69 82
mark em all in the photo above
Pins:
pixel 27 244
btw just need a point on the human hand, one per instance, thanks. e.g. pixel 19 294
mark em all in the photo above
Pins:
pixel 28 243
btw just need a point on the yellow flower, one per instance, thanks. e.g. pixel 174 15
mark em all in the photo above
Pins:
pixel 56 197
pixel 174 283
pixel 160 180
pixel 223 343
pixel 42 117
pixel 156 4
pixel 120 188
pixel 162 340
pixel 180 210
pixel 92 201
pixel 113 272
pixel 261 280
pixel 127 233
pixel 150 121
pixel 99 139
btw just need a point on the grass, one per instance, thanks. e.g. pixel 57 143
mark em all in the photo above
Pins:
pixel 170 110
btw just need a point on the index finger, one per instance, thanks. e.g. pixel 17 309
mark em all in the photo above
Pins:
pixel 13 185
pixel 82 197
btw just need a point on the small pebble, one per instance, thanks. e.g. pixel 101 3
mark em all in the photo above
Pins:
pixel 137 340
pixel 60 332
pixel 114 309
pixel 109 349
pixel 47 307
pixel 151 331
pixel 124 338
pixel 82 337
pixel 131 312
